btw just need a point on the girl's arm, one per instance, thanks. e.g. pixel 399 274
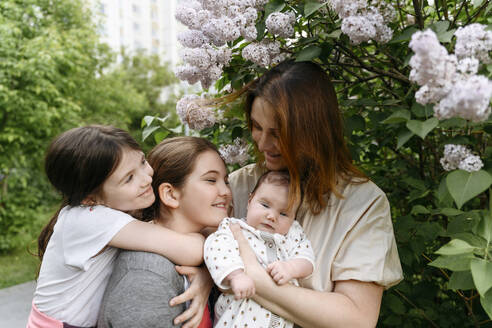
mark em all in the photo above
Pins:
pixel 352 304
pixel 182 249
pixel 200 285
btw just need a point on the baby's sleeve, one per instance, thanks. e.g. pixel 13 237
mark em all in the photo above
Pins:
pixel 221 254
pixel 300 246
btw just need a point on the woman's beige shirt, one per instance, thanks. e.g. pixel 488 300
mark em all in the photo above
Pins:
pixel 352 237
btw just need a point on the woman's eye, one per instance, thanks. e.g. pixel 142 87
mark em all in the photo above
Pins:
pixel 212 180
pixel 130 178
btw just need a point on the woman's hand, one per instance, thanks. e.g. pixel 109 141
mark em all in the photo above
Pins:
pixel 200 285
pixel 251 265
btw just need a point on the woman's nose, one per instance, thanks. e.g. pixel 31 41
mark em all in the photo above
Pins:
pixel 264 143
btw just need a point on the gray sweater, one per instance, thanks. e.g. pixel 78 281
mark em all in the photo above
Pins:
pixel 139 291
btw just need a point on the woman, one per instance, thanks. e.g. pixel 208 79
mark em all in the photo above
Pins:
pixel 293 115
pixel 192 193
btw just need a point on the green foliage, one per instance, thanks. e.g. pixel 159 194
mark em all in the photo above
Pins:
pixel 54 75
pixel 440 218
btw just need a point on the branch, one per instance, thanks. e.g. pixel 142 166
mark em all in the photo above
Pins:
pixel 395 75
pixel 418 13
pixel 477 13
pixel 458 13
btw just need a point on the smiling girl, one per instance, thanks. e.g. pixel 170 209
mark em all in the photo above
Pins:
pixel 101 173
pixel 192 191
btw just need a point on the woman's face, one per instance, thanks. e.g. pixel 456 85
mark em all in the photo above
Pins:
pixel 264 131
pixel 205 197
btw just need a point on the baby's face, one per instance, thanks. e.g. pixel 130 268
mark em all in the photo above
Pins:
pixel 267 209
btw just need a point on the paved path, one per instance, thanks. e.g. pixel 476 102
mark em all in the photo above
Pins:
pixel 15 305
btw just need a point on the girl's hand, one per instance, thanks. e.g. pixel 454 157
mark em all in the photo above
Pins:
pixel 251 265
pixel 200 285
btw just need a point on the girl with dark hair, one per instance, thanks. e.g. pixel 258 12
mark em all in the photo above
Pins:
pixel 101 173
pixel 192 191
pixel 295 122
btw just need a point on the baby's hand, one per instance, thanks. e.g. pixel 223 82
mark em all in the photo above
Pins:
pixel 281 272
pixel 242 286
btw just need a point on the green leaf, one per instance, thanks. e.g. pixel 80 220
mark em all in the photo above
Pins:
pixel 355 123
pixel 160 135
pixel 395 304
pixel 455 247
pixel 419 209
pixel 482 272
pixel 455 262
pixel 147 120
pixel 335 34
pixel 450 211
pixel 148 131
pixel 400 116
pixel 445 37
pixel 308 53
pixel 461 280
pixel 312 7
pixel 463 185
pixel 403 137
pixel 422 128
pixel 486 301
pixel 274 6
pixel 470 238
pixel 484 228
pixel 440 26
pixel 477 3
pixel 406 35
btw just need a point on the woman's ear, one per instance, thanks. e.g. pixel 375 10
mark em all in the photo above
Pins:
pixel 169 195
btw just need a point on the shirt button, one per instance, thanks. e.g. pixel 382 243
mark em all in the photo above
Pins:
pixel 270 245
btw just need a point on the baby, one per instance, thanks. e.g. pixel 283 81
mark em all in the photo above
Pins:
pixel 280 246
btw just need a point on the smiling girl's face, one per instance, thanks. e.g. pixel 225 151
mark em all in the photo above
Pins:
pixel 205 197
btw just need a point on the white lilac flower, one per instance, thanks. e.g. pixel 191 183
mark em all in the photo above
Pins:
pixel 474 41
pixel 468 99
pixel 362 22
pixel 195 116
pixel 281 24
pixel 192 38
pixel 261 53
pixel 460 157
pixel 236 153
pixel 358 28
pixel 346 8
pixel 468 66
pixel 188 73
pixel 431 63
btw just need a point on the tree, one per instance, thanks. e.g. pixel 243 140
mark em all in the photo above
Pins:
pixel 54 75
pixel 417 114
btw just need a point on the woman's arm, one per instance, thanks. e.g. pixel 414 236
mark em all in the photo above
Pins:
pixel 352 304
pixel 182 249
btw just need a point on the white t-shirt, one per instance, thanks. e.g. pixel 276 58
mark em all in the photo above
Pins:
pixel 72 278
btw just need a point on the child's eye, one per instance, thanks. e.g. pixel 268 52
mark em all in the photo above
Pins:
pixel 212 180
pixel 130 177
pixel 283 214
pixel 265 205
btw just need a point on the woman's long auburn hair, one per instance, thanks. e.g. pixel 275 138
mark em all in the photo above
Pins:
pixel 311 134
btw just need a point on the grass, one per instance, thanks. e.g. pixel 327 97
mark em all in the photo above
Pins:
pixel 19 265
